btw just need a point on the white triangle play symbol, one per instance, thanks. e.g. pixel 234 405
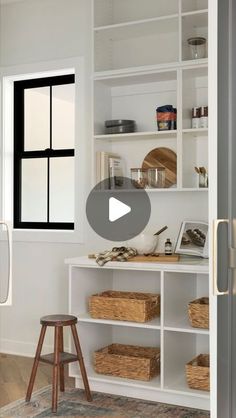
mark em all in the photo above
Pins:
pixel 117 209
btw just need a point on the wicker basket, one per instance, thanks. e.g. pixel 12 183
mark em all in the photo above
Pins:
pixel 198 312
pixel 198 372
pixel 129 361
pixel 124 306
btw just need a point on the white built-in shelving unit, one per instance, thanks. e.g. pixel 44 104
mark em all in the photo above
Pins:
pixel 141 61
pixel 179 342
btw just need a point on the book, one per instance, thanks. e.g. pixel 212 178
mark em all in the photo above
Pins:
pixel 193 239
pixel 115 172
pixel 102 165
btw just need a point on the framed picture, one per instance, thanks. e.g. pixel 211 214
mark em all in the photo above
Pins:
pixel 193 239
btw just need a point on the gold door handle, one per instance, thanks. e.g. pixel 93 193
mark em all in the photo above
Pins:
pixel 216 223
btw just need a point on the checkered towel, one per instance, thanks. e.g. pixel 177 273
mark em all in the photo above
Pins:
pixel 116 254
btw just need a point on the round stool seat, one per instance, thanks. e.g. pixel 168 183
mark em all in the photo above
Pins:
pixel 58 320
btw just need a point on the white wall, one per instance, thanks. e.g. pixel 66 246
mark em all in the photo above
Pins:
pixel 46 30
pixel 34 31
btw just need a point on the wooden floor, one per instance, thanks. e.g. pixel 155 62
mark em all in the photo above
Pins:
pixel 14 376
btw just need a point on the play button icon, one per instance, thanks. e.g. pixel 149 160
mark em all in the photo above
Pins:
pixel 117 209
pixel 118 214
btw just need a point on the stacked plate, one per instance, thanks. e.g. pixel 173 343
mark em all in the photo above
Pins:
pixel 119 126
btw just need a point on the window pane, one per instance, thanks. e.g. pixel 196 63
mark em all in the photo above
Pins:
pixel 37 118
pixel 63 116
pixel 34 190
pixel 61 189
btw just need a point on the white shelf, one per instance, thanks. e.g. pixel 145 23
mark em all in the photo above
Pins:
pixel 136 29
pixel 195 12
pixel 185 264
pixel 182 325
pixel 179 385
pixel 196 132
pixel 154 324
pixel 152 384
pixel 151 134
pixel 153 191
pixel 134 22
pixel 137 135
pixel 149 69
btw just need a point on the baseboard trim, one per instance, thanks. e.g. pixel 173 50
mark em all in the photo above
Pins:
pixel 19 348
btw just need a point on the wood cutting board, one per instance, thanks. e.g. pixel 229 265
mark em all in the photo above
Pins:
pixel 162 258
pixel 163 157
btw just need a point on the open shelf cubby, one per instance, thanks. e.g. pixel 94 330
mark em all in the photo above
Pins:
pixel 96 336
pixel 195 24
pixel 195 92
pixel 189 6
pixel 120 46
pixel 111 12
pixel 179 349
pixel 134 98
pixel 179 290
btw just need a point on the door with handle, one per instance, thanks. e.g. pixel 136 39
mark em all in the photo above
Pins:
pixel 223 210
pixel 5 264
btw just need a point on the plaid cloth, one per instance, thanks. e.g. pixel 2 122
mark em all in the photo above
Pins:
pixel 117 254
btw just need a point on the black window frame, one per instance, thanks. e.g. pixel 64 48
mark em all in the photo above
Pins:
pixel 20 153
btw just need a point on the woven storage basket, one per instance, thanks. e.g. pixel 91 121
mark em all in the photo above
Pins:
pixel 124 306
pixel 198 372
pixel 129 361
pixel 198 312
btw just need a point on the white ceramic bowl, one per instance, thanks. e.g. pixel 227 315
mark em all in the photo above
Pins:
pixel 144 243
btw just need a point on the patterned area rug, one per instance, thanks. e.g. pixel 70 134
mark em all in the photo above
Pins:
pixel 72 404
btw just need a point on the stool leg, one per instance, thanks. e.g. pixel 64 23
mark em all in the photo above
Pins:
pixel 56 366
pixel 81 363
pixel 61 348
pixel 36 363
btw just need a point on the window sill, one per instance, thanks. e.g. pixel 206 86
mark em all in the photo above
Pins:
pixel 53 236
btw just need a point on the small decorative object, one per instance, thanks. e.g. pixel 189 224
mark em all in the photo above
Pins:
pixel 166 118
pixel 156 177
pixel 193 239
pixel 168 247
pixel 195 118
pixel 119 126
pixel 128 361
pixel 203 177
pixel 198 372
pixel 125 306
pixel 146 243
pixel 197 47
pixel 198 313
pixel 139 177
pixel 163 157
pixel 203 117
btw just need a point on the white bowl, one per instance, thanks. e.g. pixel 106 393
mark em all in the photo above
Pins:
pixel 144 243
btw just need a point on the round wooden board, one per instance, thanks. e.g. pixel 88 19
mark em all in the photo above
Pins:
pixel 163 157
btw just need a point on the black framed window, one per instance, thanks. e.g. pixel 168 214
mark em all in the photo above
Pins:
pixel 44 112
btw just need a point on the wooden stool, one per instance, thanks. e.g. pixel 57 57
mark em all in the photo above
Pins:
pixel 59 357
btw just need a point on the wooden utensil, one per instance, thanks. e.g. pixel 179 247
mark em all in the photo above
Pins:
pixel 163 157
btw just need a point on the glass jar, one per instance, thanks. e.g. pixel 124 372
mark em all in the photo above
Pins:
pixel 203 180
pixel 156 177
pixel 197 47
pixel 139 177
